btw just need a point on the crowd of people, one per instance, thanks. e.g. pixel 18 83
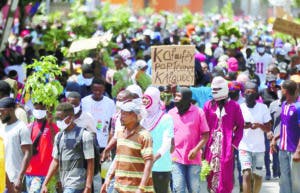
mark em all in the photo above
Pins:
pixel 242 112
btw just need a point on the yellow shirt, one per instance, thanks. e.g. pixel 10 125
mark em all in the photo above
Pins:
pixel 2 166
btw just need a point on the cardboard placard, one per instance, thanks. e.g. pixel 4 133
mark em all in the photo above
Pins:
pixel 85 44
pixel 287 27
pixel 173 64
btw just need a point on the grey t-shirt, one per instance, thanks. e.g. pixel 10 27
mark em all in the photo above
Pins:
pixel 71 156
pixel 15 135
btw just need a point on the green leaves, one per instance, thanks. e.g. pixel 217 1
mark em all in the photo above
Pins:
pixel 42 83
pixel 53 38
pixel 205 170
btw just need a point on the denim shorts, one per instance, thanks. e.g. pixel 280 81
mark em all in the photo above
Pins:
pixel 34 183
pixel 253 161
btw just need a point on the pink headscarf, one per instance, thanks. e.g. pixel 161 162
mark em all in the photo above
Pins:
pixel 154 110
pixel 233 65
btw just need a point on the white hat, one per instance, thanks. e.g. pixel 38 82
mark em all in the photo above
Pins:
pixel 140 64
pixel 135 89
pixel 131 107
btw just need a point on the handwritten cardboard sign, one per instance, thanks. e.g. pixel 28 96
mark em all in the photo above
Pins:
pixel 173 65
pixel 287 27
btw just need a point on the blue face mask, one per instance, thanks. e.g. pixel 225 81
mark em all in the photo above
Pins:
pixel 261 50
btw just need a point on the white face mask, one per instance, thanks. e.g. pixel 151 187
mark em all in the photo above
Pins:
pixel 220 94
pixel 67 93
pixel 77 109
pixel 118 104
pixel 88 81
pixel 39 114
pixel 62 124
pixel 260 50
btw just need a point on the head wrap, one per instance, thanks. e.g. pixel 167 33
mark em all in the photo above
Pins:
pixel 235 85
pixel 233 65
pixel 221 84
pixel 7 102
pixel 131 107
pixel 153 109
pixel 200 57
pixel 184 104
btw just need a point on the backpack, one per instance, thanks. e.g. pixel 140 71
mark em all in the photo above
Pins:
pixel 79 135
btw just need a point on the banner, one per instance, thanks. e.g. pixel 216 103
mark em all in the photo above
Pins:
pixel 287 27
pixel 173 64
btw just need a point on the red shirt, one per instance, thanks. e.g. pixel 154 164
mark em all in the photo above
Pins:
pixel 39 163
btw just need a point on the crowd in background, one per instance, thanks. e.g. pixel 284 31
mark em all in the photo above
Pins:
pixel 243 111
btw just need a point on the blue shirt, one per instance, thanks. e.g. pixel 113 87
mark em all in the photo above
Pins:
pixel 165 125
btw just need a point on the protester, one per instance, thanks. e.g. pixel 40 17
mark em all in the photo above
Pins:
pixel 225 121
pixel 84 120
pixel 73 146
pixel 43 131
pixel 134 156
pixel 289 145
pixel 17 143
pixel 191 133
pixel 161 127
pixel 252 146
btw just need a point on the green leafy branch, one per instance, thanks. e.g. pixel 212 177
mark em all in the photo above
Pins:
pixel 42 83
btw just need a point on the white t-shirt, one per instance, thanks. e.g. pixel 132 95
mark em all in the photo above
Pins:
pixel 102 112
pixel 14 135
pixel 262 63
pixel 253 140
pixel 86 120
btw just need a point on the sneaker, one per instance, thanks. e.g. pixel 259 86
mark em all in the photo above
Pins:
pixel 268 178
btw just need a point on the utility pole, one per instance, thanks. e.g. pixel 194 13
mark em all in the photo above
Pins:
pixel 8 23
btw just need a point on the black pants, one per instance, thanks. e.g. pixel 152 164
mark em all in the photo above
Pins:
pixel 161 181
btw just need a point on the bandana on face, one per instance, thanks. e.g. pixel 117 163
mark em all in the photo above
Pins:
pixel 184 104
pixel 221 84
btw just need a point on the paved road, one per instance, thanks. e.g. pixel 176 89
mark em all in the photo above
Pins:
pixel 271 186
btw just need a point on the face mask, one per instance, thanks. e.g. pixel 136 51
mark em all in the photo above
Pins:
pixel 77 109
pixel 119 104
pixel 233 95
pixel 62 124
pixel 220 94
pixel 39 114
pixel 128 62
pixel 251 100
pixel 6 119
pixel 88 81
pixel 67 93
pixel 279 94
pixel 261 50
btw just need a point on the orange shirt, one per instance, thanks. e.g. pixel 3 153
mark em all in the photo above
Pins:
pixel 39 163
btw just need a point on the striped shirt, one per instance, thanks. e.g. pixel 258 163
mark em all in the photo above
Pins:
pixel 132 151
pixel 290 131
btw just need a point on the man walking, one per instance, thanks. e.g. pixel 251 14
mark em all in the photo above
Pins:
pixel 17 143
pixel 73 154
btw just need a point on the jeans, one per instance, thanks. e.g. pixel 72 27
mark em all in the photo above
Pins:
pixel 34 183
pixel 161 181
pixel 71 190
pixel 186 177
pixel 276 165
pixel 267 156
pixel 290 173
pixel 97 182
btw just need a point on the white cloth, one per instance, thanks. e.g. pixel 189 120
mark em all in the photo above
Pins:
pixel 21 70
pixel 253 140
pixel 86 120
pixel 102 112
pixel 14 135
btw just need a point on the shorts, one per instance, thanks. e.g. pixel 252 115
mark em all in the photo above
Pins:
pixel 253 161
